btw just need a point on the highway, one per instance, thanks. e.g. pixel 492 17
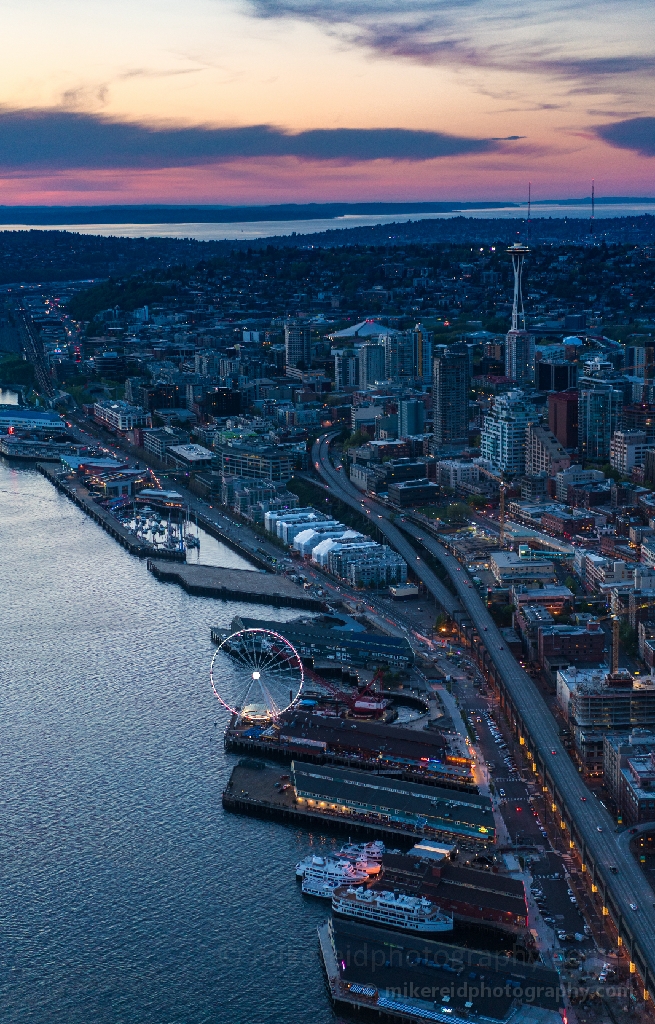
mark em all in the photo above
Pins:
pixel 590 825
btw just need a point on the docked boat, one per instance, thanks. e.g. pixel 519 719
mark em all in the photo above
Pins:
pixel 367 856
pixel 325 874
pixel 364 851
pixel 391 910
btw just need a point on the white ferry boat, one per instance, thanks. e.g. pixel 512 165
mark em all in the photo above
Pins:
pixel 366 851
pixel 367 856
pixel 392 910
pixel 325 874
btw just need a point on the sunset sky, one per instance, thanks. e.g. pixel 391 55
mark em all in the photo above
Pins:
pixel 270 101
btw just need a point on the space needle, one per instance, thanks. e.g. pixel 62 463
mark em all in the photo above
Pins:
pixel 519 344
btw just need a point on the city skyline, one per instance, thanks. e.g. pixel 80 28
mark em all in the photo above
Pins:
pixel 264 101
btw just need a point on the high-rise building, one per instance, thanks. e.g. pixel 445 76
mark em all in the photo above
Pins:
pixel 371 364
pixel 639 416
pixel 599 409
pixel 346 370
pixel 563 417
pixel 543 452
pixel 503 439
pixel 422 341
pixel 519 356
pixel 450 398
pixel 297 346
pixel 399 355
pixel 555 375
pixel 411 417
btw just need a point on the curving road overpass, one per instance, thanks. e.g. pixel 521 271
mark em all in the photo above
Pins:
pixel 613 873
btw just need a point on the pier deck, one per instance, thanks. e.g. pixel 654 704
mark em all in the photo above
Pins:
pixel 235 585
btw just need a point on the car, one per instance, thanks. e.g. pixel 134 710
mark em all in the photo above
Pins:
pixel 584 799
pixel 501 792
pixel 633 906
pixel 485 628
pixel 598 828
pixel 633 830
pixel 554 753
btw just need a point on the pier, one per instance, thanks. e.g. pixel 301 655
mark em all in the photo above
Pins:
pixel 235 585
pixel 80 496
pixel 251 790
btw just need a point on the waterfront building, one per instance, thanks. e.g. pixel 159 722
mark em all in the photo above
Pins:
pixel 595 702
pixel 254 462
pixel 458 817
pixel 16 417
pixel 450 398
pixel 314 641
pixel 191 457
pixel 503 439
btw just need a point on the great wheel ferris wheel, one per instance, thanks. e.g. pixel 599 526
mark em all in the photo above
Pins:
pixel 256 674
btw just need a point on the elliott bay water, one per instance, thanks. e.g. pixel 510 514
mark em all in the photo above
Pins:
pixel 127 895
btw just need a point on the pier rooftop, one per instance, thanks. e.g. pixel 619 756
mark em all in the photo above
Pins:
pixel 426 754
pixel 322 639
pixel 457 817
pixel 235 584
pixel 414 978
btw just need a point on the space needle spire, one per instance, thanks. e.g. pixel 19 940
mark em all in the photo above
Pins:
pixel 518 253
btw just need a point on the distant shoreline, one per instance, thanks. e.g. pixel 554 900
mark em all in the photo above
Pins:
pixel 44 216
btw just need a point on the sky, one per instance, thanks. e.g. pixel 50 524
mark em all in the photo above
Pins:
pixel 278 101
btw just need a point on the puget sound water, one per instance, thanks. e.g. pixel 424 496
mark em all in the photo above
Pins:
pixel 127 895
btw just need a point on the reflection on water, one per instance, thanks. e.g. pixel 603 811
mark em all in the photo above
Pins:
pixel 267 228
pixel 128 895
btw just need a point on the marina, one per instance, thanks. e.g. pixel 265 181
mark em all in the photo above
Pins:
pixel 80 496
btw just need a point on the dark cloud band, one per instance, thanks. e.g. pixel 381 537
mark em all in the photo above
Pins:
pixel 58 139
pixel 637 133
